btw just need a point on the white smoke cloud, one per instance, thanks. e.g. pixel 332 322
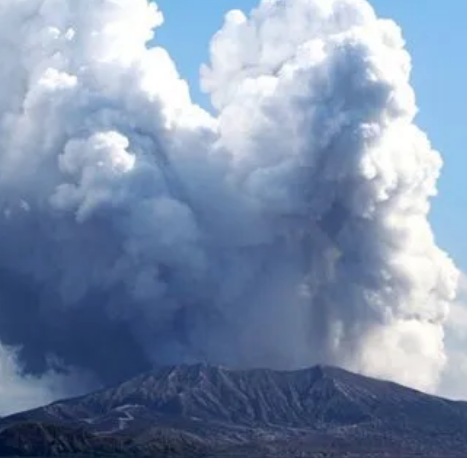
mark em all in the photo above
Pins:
pixel 453 379
pixel 289 229
pixel 328 132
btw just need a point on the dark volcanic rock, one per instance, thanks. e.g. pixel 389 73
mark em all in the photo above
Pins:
pixel 207 408
pixel 29 439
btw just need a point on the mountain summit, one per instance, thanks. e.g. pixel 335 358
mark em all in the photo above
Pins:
pixel 216 411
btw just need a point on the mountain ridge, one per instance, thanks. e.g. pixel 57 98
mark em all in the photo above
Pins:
pixel 212 407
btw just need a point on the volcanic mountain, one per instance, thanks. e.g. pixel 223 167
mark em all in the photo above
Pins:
pixel 211 411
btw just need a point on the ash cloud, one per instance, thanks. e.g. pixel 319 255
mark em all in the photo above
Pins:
pixel 288 229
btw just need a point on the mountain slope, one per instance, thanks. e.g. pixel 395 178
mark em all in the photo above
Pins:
pixel 211 407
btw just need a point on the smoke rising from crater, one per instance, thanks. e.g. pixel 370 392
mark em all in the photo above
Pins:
pixel 286 230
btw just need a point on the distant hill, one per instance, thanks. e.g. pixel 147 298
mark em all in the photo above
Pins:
pixel 211 411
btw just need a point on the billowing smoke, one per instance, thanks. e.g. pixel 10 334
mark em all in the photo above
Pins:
pixel 137 229
pixel 453 379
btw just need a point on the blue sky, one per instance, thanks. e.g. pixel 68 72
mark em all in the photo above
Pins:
pixel 436 37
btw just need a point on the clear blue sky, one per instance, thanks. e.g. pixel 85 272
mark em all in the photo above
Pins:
pixel 436 37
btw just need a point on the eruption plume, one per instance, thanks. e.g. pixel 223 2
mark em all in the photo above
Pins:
pixel 288 229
